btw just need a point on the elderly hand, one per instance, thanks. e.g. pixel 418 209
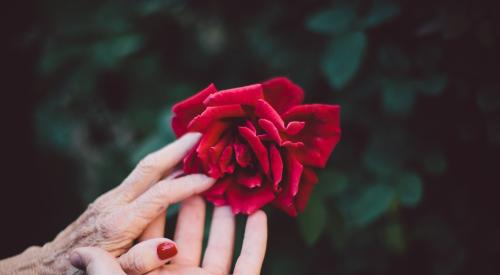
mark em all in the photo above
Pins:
pixel 133 210
pixel 189 235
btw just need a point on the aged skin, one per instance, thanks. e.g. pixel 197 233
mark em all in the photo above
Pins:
pixel 121 216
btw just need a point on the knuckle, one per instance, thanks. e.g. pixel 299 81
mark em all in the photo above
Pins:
pixel 110 229
pixel 134 264
pixel 148 165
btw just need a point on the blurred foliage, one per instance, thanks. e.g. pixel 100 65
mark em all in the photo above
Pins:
pixel 109 72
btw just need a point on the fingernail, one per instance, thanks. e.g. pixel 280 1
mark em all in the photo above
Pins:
pixel 76 260
pixel 166 250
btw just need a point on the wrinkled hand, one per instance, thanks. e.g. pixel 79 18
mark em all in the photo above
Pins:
pixel 148 255
pixel 131 211
pixel 189 236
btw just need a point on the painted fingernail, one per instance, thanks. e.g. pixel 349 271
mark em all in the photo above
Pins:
pixel 166 250
pixel 76 260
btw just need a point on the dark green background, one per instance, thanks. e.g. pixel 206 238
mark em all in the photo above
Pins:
pixel 410 187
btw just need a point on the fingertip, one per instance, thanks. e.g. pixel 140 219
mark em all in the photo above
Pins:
pixel 76 260
pixel 259 217
pixel 191 136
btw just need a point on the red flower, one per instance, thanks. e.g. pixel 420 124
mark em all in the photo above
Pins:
pixel 259 142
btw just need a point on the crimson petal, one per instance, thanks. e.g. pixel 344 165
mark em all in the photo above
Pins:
pixel 257 146
pixel 187 109
pixel 264 110
pixel 216 194
pixel 247 201
pixel 320 135
pixel 282 94
pixel 246 95
pixel 211 114
pixel 276 166
pixel 270 129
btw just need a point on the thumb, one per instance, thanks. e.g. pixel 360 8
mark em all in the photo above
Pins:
pixel 95 261
pixel 147 255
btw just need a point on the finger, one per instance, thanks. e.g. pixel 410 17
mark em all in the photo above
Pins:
pixel 254 245
pixel 219 252
pixel 155 165
pixel 156 229
pixel 95 261
pixel 154 201
pixel 148 255
pixel 189 231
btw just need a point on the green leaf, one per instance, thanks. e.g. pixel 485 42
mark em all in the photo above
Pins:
pixel 336 21
pixel 343 58
pixel 398 96
pixel 312 221
pixel 409 188
pixel 369 204
pixel 381 12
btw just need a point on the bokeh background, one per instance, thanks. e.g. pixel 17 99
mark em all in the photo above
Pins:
pixel 409 189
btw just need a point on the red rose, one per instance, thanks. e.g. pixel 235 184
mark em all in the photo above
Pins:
pixel 259 142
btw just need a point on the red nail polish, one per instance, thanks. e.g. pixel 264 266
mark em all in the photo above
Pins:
pixel 166 250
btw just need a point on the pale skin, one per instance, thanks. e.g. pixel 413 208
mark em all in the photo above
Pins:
pixel 135 211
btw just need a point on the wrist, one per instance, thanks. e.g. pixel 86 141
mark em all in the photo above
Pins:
pixel 28 262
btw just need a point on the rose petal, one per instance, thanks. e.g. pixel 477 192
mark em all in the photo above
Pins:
pixel 211 114
pixel 282 94
pixel 265 110
pixel 270 129
pixel 191 163
pixel 320 135
pixel 226 164
pixel 249 179
pixel 216 194
pixel 187 109
pixel 214 154
pixel 211 136
pixel 294 127
pixel 307 183
pixel 242 153
pixel 247 201
pixel 246 95
pixel 276 166
pixel 290 183
pixel 257 147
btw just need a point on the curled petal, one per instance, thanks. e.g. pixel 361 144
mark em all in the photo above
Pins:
pixel 294 127
pixel 270 129
pixel 249 179
pixel 211 136
pixel 292 145
pixel 216 194
pixel 226 164
pixel 276 166
pixel 307 183
pixel 257 147
pixel 247 201
pixel 191 163
pixel 265 110
pixel 320 135
pixel 282 94
pixel 246 95
pixel 211 114
pixel 186 110
pixel 242 154
pixel 290 184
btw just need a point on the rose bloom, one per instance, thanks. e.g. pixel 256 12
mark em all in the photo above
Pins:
pixel 260 142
